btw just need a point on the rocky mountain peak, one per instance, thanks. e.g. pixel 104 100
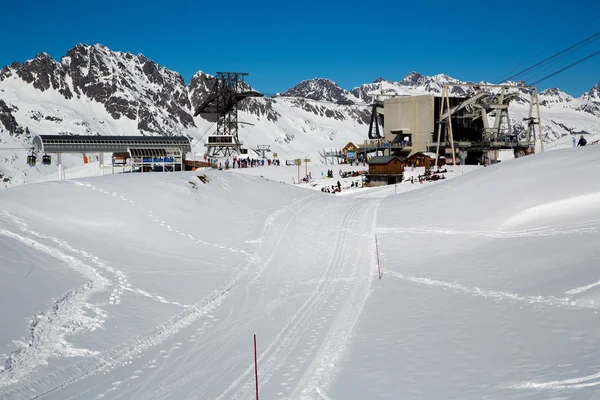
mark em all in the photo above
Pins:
pixel 553 96
pixel 414 79
pixel 321 89
pixel 128 86
pixel 551 92
pixel 593 94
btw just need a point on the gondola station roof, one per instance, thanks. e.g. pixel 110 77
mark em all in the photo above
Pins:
pixel 107 144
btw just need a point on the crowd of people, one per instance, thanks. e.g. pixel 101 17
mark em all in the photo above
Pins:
pixel 338 188
pixel 344 174
pixel 247 163
pixel 430 176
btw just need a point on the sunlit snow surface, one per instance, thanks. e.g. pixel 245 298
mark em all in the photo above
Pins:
pixel 151 286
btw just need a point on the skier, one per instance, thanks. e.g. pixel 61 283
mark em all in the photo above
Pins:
pixel 574 141
pixel 582 142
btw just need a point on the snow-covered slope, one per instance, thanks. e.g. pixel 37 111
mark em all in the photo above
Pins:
pixel 151 286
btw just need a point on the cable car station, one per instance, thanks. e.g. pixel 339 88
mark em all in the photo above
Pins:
pixel 138 153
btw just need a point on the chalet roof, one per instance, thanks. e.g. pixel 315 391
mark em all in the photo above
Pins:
pixel 424 153
pixel 350 146
pixel 383 160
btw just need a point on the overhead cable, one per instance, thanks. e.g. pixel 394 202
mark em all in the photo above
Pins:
pixel 577 45
pixel 567 67
pixel 548 48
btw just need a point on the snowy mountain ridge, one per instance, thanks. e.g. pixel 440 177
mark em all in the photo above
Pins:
pixel 93 90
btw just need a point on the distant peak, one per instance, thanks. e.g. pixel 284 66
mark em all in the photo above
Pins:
pixel 551 91
pixel 380 79
pixel 319 80
pixel 43 56
pixel 593 94
pixel 413 78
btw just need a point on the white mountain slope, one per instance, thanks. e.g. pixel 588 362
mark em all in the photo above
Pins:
pixel 152 286
pixel 94 90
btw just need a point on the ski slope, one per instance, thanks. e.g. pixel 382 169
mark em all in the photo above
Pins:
pixel 151 286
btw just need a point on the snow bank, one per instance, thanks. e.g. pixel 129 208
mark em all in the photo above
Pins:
pixel 489 287
pixel 152 286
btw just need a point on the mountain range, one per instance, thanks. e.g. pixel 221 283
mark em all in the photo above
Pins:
pixel 93 90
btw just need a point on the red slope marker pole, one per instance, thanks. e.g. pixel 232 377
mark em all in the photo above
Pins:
pixel 255 367
pixel 377 250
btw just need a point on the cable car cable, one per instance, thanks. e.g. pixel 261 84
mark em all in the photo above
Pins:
pixel 577 45
pixel 567 67
pixel 548 48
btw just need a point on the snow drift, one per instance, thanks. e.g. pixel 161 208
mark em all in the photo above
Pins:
pixel 151 286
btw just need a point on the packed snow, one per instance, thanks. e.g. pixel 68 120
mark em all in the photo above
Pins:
pixel 152 286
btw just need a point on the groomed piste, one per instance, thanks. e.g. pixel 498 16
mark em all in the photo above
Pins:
pixel 152 286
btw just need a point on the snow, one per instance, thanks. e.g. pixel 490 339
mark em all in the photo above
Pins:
pixel 151 286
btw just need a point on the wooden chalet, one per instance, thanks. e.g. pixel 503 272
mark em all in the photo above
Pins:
pixel 350 151
pixel 385 170
pixel 424 159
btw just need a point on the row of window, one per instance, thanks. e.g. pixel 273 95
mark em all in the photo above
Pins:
pixel 117 142
pixel 220 139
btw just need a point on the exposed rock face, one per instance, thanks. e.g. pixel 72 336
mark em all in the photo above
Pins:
pixel 44 73
pixel 321 89
pixel 128 86
pixel 592 101
pixel 8 120
pixel 262 108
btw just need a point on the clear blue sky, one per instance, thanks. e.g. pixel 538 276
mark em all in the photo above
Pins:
pixel 281 43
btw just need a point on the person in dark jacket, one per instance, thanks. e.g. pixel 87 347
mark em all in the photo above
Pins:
pixel 582 141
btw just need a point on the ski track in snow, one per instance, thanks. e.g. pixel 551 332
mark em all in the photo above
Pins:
pixel 571 383
pixel 125 353
pixel 345 302
pixel 68 316
pixel 585 228
pixel 494 294
pixel 157 219
pixel 121 280
pixel 219 339
pixel 322 370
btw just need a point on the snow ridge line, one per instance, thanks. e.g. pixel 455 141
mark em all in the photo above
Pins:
pixel 121 354
pixel 582 289
pixel 320 375
pixel 496 234
pixel 157 219
pixel 291 333
pixel 572 383
pixel 492 294
pixel 49 329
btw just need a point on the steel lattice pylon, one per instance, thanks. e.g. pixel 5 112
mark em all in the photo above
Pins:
pixel 229 89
